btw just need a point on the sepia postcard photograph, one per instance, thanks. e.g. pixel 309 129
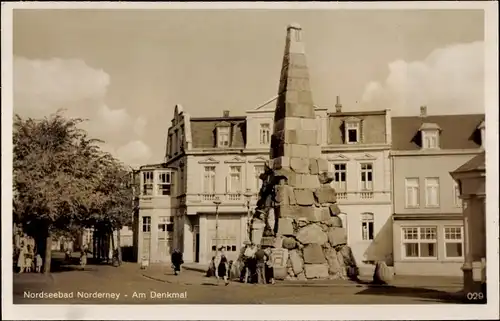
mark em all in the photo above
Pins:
pixel 192 160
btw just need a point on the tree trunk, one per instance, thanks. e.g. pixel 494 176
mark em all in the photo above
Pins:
pixel 48 253
pixel 118 241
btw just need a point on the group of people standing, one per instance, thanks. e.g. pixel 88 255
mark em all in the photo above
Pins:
pixel 257 264
pixel 28 259
pixel 254 265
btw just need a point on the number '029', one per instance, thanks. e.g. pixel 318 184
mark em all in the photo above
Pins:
pixel 473 296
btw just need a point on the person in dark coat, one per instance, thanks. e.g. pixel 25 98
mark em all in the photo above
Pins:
pixel 222 266
pixel 177 261
pixel 261 258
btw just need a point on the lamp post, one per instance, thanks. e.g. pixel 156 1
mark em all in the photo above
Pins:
pixel 217 203
pixel 248 197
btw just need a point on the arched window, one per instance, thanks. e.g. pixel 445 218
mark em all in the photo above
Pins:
pixel 367 224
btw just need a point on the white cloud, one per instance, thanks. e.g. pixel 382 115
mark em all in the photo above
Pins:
pixel 41 87
pixel 449 80
pixel 134 153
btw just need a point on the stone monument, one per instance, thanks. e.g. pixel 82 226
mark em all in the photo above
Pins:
pixel 296 213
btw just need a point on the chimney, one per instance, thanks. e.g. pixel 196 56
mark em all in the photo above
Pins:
pixel 225 113
pixel 423 111
pixel 338 105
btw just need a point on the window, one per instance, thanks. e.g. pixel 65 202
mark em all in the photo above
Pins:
pixel 165 226
pixel 352 132
pixel 235 179
pixel 223 136
pixel 147 183
pixel 483 137
pixel 227 244
pixel 169 146
pixel 340 177
pixel 419 242
pixel 146 224
pixel 456 194
pixel 366 176
pixel 258 169
pixel 412 192
pixel 367 226
pixel 265 134
pixel 432 192
pixel 453 242
pixel 164 181
pixel 209 180
pixel 430 139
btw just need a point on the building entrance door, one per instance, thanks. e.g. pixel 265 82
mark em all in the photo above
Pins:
pixel 165 228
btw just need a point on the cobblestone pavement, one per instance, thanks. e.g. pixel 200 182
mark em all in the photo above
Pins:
pixel 130 286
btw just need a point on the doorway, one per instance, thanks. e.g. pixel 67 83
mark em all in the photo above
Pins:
pixel 197 248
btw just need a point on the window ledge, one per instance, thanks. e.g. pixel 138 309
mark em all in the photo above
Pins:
pixel 420 259
pixel 433 206
pixel 412 207
pixel 453 260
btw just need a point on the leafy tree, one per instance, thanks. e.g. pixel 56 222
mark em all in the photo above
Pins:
pixel 62 180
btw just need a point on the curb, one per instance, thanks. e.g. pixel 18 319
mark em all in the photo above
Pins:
pixel 196 269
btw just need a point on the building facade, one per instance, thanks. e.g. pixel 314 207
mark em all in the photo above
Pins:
pixel 155 218
pixel 357 148
pixel 428 231
pixel 219 159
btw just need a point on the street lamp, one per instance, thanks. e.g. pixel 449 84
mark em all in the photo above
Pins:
pixel 248 196
pixel 217 203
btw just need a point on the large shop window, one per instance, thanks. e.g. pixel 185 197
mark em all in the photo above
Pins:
pixel 419 242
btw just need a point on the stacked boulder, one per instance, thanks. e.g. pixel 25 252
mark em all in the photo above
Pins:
pixel 297 212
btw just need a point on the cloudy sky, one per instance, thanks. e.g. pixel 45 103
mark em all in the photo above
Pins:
pixel 126 70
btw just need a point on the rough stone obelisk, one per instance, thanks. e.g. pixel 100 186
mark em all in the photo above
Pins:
pixel 297 213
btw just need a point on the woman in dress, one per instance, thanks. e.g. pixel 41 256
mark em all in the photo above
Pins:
pixel 221 264
pixel 21 262
pixel 83 257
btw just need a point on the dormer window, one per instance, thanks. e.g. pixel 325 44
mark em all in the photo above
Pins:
pixel 223 135
pixel 430 135
pixel 352 131
pixel 430 139
pixel 482 129
pixel 265 134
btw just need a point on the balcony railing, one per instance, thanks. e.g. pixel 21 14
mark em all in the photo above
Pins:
pixel 239 198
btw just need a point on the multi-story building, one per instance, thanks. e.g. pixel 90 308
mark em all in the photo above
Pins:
pixel 428 222
pixel 357 147
pixel 155 218
pixel 220 159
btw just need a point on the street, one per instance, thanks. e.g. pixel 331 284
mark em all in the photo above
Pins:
pixel 128 284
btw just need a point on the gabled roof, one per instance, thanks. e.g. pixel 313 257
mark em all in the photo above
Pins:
pixel 203 131
pixel 478 163
pixel 457 131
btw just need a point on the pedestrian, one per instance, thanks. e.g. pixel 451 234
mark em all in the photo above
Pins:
pixel 222 267
pixel 261 258
pixel 21 259
pixel 269 270
pixel 67 255
pixel 38 263
pixel 28 258
pixel 83 256
pixel 250 263
pixel 177 261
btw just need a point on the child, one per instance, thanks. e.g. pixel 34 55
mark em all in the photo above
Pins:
pixel 38 262
pixel 28 258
